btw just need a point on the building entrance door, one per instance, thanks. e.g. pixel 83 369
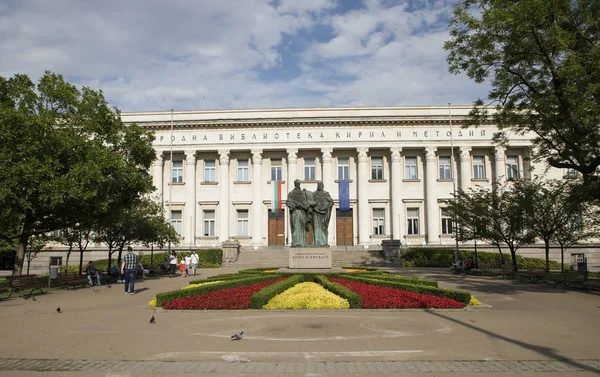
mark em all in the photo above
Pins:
pixel 276 228
pixel 344 231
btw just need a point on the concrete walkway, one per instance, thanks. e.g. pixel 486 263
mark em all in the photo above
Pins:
pixel 530 329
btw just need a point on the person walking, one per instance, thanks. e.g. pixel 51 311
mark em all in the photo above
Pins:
pixel 128 268
pixel 172 264
pixel 188 265
pixel 182 268
pixel 194 258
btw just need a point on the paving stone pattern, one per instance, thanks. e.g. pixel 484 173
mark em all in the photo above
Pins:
pixel 343 367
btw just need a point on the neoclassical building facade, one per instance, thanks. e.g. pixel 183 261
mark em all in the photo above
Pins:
pixel 217 171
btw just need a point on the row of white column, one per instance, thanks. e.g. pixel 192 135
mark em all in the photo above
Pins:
pixel 328 178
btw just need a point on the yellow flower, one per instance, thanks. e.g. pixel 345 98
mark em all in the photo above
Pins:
pixel 307 296
pixel 270 271
pixel 201 284
pixel 152 303
pixel 354 270
pixel 474 301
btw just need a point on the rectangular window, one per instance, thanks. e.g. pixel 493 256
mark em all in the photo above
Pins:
pixel 377 168
pixel 242 222
pixel 343 168
pixel 447 227
pixel 177 172
pixel 412 218
pixel 444 165
pixel 378 221
pixel 410 168
pixel 56 261
pixel 512 167
pixel 209 171
pixel 310 169
pixel 176 221
pixel 242 170
pixel 276 170
pixel 478 167
pixel 209 223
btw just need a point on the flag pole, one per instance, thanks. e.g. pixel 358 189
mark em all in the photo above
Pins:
pixel 171 180
pixel 456 252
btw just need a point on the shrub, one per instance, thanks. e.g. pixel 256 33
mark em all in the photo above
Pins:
pixel 261 298
pixel 307 295
pixel 353 298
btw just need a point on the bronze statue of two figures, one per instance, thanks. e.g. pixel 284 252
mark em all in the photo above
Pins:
pixel 309 209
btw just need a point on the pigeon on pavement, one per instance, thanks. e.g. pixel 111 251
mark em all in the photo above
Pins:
pixel 152 320
pixel 109 286
pixel 237 336
pixel 96 290
pixel 59 310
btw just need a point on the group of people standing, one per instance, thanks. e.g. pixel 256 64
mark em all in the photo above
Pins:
pixel 186 264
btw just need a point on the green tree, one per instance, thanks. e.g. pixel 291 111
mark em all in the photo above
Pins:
pixel 495 216
pixel 64 156
pixel 541 58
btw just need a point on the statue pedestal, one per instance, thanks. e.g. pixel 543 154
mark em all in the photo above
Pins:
pixel 310 258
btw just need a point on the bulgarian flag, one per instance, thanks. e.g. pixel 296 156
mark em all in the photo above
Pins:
pixel 276 200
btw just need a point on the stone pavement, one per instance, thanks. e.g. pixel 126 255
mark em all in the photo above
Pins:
pixel 529 330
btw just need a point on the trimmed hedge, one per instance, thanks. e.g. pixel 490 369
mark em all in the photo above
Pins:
pixel 353 298
pixel 444 257
pixel 183 293
pixel 400 279
pixel 463 297
pixel 207 258
pixel 262 297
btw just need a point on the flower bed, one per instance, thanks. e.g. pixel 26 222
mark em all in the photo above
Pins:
pixel 307 295
pixel 381 297
pixel 228 299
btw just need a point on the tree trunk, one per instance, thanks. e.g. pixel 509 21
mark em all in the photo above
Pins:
pixel 109 258
pixel 80 261
pixel 547 246
pixel 20 255
pixel 28 262
pixel 67 259
pixel 562 259
pixel 501 255
pixel 513 254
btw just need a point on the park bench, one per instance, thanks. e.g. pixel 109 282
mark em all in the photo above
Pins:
pixel 504 272
pixel 592 282
pixel 22 282
pixel 3 290
pixel 566 278
pixel 483 268
pixel 72 279
pixel 533 274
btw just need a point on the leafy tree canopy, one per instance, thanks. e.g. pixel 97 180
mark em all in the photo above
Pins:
pixel 541 57
pixel 65 156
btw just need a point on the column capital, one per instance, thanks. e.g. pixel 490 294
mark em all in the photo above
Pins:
pixel 396 153
pixel 465 153
pixel 292 155
pixel 499 153
pixel 430 154
pixel 224 156
pixel 362 154
pixel 160 158
pixel 326 154
pixel 257 156
pixel 190 157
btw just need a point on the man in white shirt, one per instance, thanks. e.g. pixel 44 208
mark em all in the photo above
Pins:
pixel 194 261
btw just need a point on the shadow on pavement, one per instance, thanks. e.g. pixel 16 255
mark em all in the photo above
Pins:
pixel 544 351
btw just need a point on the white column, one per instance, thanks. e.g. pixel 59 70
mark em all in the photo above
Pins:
pixel 223 195
pixel 158 176
pixel 328 180
pixel 465 167
pixel 257 203
pixel 431 204
pixel 362 198
pixel 396 193
pixel 500 161
pixel 527 163
pixel 190 198
pixel 292 158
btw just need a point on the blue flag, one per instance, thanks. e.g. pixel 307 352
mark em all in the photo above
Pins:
pixel 344 194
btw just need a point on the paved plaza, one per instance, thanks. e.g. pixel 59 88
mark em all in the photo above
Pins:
pixel 524 329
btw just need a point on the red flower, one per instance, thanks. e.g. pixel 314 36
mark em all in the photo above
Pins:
pixel 379 297
pixel 231 298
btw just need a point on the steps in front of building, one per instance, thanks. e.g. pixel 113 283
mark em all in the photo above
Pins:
pixel 280 258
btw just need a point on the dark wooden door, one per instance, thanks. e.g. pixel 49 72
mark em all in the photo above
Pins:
pixel 344 231
pixel 276 229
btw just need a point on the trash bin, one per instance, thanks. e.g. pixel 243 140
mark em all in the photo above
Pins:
pixel 54 272
pixel 582 266
pixel 391 250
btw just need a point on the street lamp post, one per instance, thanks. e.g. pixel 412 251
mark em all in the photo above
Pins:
pixel 456 252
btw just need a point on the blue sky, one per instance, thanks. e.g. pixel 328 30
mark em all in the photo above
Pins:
pixel 152 55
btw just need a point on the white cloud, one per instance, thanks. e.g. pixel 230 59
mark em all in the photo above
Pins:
pixel 186 54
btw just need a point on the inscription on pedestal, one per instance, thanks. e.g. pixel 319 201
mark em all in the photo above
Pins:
pixel 310 258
